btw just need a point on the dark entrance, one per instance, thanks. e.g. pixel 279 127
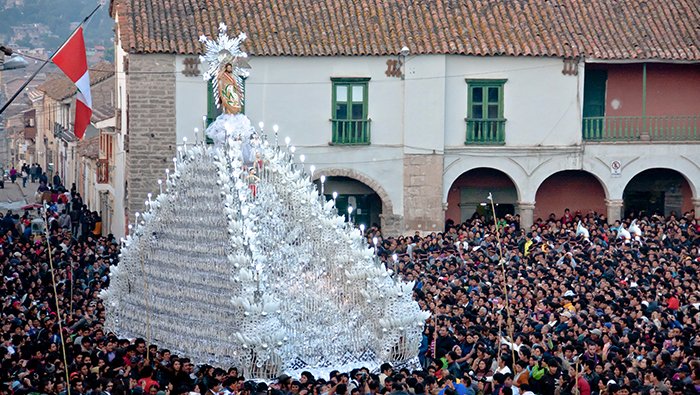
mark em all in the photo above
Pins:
pixel 366 203
pixel 655 191
pixel 647 203
pixel 594 93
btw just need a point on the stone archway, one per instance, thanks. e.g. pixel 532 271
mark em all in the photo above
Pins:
pixel 658 191
pixel 468 194
pixel 391 223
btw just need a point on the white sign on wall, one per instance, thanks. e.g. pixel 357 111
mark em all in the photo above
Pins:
pixel 615 168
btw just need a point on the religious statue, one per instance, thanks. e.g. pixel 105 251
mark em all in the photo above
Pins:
pixel 225 57
pixel 229 91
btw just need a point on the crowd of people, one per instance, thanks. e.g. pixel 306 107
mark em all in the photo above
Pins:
pixel 546 310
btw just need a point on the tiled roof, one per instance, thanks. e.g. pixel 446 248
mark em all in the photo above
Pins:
pixel 62 88
pixel 34 94
pixel 602 29
pixel 89 148
pixel 102 113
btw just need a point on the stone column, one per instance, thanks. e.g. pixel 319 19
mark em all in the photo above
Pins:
pixel 696 205
pixel 526 214
pixel 614 209
pixel 392 225
pixel 422 194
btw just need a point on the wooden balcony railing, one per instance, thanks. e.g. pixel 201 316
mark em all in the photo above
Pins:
pixel 351 131
pixel 103 171
pixel 651 128
pixel 486 131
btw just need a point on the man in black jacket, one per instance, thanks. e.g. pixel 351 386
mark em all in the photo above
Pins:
pixel 444 340
pixel 551 380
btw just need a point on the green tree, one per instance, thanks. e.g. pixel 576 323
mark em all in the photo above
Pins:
pixel 109 54
pixel 24 42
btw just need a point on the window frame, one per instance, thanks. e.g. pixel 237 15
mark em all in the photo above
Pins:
pixel 364 122
pixel 350 82
pixel 500 126
pixel 485 83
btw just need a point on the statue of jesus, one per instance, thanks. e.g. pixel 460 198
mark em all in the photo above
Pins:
pixel 228 91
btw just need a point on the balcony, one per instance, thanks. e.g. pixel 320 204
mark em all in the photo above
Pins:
pixel 103 171
pixel 351 132
pixel 486 131
pixel 650 128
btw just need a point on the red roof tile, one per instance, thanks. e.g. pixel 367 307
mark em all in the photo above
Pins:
pixel 602 29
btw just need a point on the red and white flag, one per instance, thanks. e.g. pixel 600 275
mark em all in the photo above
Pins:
pixel 72 60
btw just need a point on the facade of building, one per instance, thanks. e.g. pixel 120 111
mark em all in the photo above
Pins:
pixel 90 163
pixel 542 104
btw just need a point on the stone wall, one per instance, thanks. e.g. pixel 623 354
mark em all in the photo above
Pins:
pixel 102 93
pixel 151 125
pixel 422 193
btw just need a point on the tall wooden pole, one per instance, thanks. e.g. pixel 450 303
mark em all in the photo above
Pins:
pixel 502 263
pixel 148 314
pixel 55 294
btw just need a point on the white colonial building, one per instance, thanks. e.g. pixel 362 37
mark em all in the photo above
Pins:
pixel 538 104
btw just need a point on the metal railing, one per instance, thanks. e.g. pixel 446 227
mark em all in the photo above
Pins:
pixel 486 131
pixel 650 128
pixel 351 131
pixel 103 171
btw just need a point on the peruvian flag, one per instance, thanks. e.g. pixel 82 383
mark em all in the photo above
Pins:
pixel 72 60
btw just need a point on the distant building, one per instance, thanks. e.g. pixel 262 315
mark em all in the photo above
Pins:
pixel 80 161
pixel 33 31
pixel 13 3
pixel 96 54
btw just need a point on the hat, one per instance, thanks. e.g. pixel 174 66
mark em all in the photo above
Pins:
pixel 74 374
pixel 597 332
pixel 17 254
pixel 566 314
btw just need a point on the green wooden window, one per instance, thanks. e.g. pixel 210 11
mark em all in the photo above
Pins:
pixel 212 110
pixel 350 105
pixel 485 121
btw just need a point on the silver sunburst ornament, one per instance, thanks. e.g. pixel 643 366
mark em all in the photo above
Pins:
pixel 225 50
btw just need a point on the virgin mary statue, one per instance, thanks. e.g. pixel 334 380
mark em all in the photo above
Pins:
pixel 229 91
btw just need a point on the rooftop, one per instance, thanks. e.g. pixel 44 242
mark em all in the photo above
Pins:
pixel 63 88
pixel 599 29
pixel 89 148
pixel 102 113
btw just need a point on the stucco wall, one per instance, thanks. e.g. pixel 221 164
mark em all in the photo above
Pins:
pixel 575 190
pixel 669 89
pixel 423 115
pixel 541 104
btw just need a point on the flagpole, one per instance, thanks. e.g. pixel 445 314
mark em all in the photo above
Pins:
pixel 21 89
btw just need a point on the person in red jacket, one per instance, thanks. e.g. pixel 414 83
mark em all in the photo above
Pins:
pixel 583 387
pixel 672 301
pixel 567 218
